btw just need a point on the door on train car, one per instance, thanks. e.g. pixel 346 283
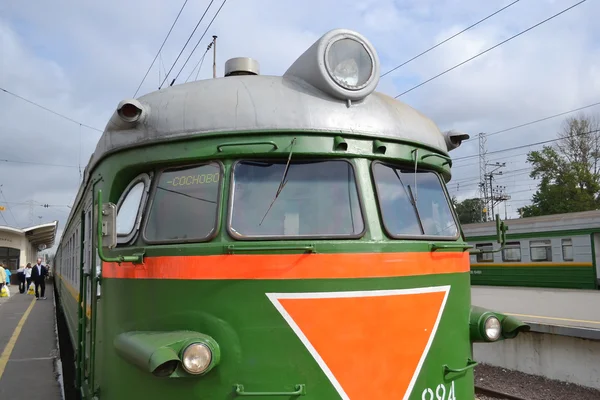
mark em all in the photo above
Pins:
pixel 596 253
pixel 87 265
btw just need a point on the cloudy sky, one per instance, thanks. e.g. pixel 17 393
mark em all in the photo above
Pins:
pixel 81 58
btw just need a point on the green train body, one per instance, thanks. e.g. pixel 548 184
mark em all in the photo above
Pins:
pixel 275 237
pixel 556 251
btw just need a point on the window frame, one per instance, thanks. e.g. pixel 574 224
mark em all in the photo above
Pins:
pixel 548 245
pixel 484 246
pixel 146 178
pixel 514 246
pixel 282 161
pixel 562 249
pixel 151 197
pixel 414 237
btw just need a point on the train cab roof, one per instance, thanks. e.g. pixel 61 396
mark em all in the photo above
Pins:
pixel 328 89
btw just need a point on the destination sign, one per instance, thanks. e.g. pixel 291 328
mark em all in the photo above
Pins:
pixel 192 180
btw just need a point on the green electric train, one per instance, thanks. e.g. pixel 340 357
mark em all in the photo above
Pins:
pixel 273 237
pixel 556 251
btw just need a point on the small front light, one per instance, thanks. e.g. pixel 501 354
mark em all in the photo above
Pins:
pixel 493 328
pixel 349 63
pixel 196 358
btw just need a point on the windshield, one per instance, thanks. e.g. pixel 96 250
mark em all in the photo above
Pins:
pixel 413 210
pixel 319 199
pixel 185 204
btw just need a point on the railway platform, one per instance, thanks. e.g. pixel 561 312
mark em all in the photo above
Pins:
pixel 29 359
pixel 566 312
pixel 564 340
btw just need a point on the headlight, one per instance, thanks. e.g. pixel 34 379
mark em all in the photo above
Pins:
pixel 349 63
pixel 492 328
pixel 196 358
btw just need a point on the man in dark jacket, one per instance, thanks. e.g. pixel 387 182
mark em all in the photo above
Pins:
pixel 21 276
pixel 38 276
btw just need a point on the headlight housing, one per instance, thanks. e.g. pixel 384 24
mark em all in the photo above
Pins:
pixel 196 358
pixel 342 63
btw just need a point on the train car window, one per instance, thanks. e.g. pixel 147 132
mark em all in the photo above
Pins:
pixel 318 199
pixel 485 257
pixel 567 249
pixel 413 204
pixel 541 250
pixel 130 208
pixel 185 205
pixel 512 252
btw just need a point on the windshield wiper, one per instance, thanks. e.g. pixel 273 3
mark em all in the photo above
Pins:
pixel 283 181
pixel 411 200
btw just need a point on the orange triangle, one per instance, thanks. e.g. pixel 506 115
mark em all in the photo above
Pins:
pixel 369 341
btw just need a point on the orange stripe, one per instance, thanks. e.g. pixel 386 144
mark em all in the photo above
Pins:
pixel 292 266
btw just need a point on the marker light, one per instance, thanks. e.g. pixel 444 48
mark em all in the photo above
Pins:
pixel 493 328
pixel 196 358
pixel 349 63
pixel 130 110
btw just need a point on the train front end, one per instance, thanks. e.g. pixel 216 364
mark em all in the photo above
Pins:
pixel 282 237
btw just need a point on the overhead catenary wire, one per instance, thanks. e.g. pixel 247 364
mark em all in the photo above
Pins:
pixel 38 163
pixel 448 39
pixel 525 145
pixel 199 40
pixel 26 203
pixel 199 63
pixel 186 43
pixel 161 47
pixel 49 110
pixel 537 120
pixel 489 49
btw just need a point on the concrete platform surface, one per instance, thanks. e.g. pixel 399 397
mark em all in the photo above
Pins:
pixel 29 367
pixel 560 311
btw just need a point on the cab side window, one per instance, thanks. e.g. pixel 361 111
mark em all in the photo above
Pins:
pixel 130 208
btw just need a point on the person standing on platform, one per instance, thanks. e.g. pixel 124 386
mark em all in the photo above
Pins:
pixel 2 276
pixel 28 275
pixel 38 275
pixel 21 276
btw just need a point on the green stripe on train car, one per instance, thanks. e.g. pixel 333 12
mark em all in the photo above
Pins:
pixel 572 277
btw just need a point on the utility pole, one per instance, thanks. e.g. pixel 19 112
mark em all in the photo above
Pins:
pixel 483 196
pixel 30 212
pixel 214 56
pixel 497 194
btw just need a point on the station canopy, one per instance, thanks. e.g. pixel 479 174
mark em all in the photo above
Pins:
pixel 42 236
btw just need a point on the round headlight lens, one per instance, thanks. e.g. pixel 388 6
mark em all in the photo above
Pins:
pixel 349 63
pixel 493 329
pixel 196 358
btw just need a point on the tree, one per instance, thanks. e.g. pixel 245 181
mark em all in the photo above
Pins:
pixel 469 211
pixel 569 171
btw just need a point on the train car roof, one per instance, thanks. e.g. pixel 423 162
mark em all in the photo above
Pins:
pixel 547 223
pixel 235 104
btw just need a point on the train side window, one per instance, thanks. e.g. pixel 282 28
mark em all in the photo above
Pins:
pixel 512 252
pixel 485 257
pixel 319 199
pixel 567 249
pixel 541 250
pixel 413 205
pixel 130 208
pixel 185 204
